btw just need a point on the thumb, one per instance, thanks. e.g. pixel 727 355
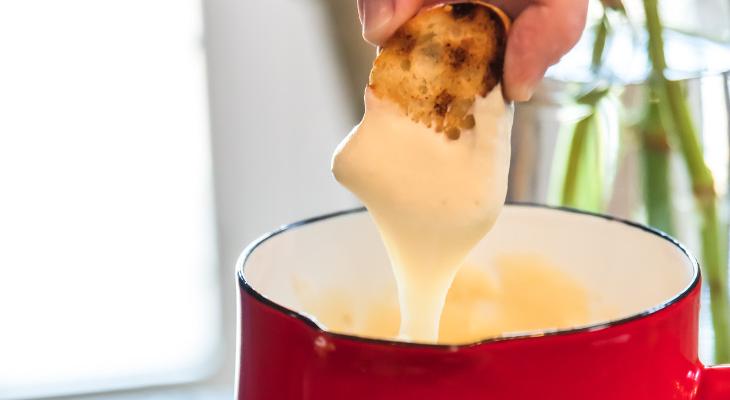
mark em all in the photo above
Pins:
pixel 540 35
pixel 381 18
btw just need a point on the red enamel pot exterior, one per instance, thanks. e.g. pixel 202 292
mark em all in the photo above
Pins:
pixel 653 355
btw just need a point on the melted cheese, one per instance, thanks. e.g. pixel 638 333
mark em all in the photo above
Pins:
pixel 432 198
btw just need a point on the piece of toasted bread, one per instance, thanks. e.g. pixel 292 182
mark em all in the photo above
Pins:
pixel 435 65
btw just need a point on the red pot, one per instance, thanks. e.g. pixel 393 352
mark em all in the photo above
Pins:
pixel 650 352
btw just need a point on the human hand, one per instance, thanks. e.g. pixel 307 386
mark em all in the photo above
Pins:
pixel 542 32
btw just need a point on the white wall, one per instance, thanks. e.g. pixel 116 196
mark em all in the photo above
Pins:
pixel 108 269
pixel 279 107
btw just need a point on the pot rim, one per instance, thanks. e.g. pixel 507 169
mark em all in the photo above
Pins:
pixel 245 285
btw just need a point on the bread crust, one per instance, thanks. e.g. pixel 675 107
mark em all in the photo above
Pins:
pixel 436 64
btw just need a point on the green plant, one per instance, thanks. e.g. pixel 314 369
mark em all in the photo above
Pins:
pixel 666 125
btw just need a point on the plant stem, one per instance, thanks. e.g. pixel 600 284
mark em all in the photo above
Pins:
pixel 576 192
pixel 577 147
pixel 599 43
pixel 655 152
pixel 583 182
pixel 703 185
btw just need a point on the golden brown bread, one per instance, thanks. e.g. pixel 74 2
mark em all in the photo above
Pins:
pixel 435 65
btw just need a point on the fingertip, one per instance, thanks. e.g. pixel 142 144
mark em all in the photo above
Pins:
pixel 539 37
pixel 518 92
pixel 381 18
pixel 524 68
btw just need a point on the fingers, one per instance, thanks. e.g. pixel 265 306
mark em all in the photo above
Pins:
pixel 542 33
pixel 381 18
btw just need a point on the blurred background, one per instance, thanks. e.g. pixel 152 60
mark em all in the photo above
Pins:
pixel 144 143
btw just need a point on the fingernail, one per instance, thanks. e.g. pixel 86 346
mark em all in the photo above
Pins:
pixel 376 13
pixel 523 92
